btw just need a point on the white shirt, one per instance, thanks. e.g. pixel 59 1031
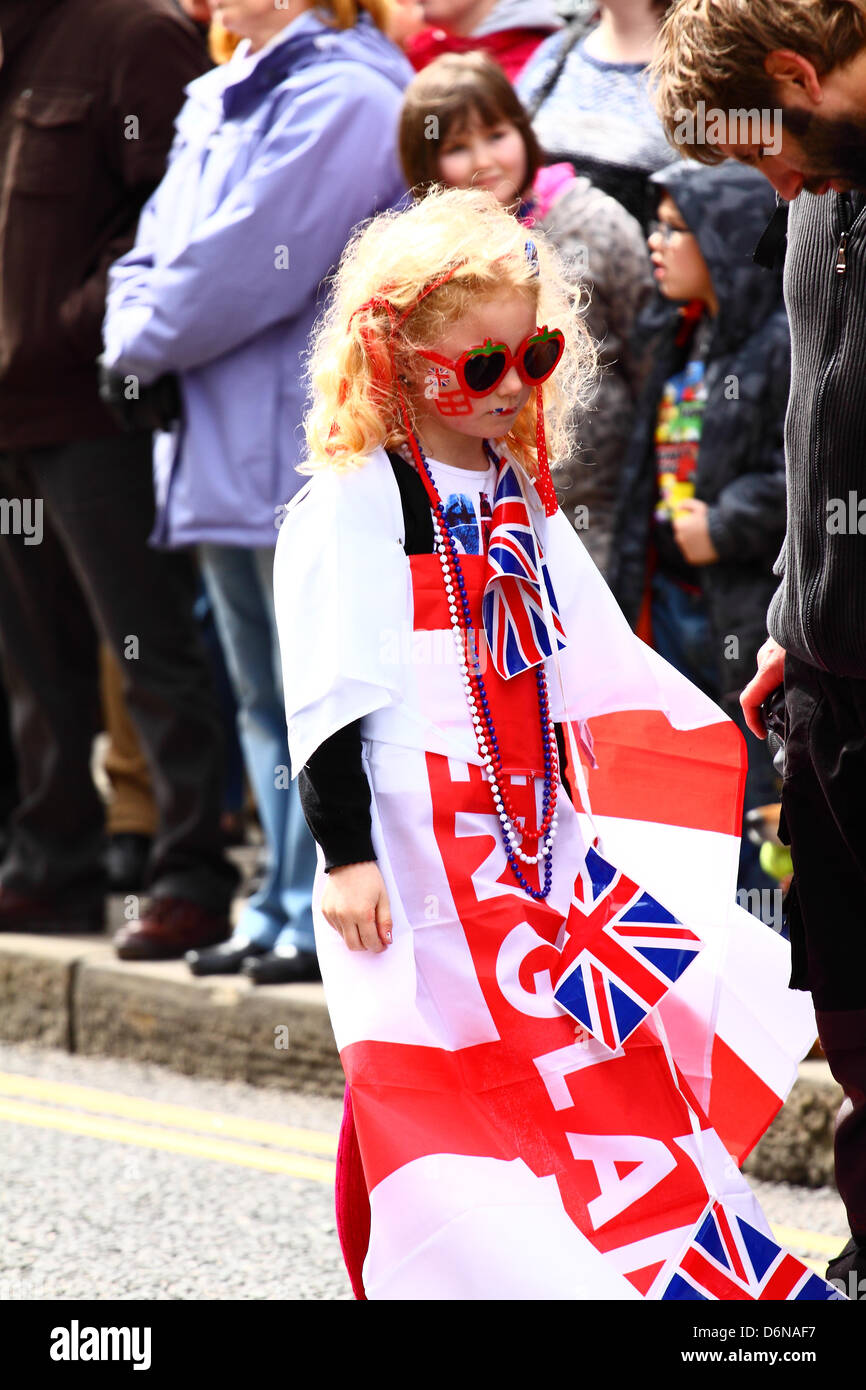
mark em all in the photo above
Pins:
pixel 467 496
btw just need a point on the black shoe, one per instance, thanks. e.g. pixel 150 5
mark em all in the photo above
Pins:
pixel 225 959
pixel 125 862
pixel 289 965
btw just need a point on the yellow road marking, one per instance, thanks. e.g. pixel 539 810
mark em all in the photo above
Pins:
pixel 226 1128
pixel 148 1137
pixel 171 1116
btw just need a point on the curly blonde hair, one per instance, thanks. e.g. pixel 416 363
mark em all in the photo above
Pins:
pixel 358 345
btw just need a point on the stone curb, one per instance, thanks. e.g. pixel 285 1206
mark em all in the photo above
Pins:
pixel 73 993
pixel 798 1146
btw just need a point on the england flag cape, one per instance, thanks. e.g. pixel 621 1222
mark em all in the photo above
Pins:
pixel 551 1099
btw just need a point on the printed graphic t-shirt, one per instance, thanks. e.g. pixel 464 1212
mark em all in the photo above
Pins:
pixel 467 497
pixel 679 424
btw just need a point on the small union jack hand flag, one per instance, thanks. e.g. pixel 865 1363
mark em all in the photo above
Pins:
pixel 513 607
pixel 622 953
pixel 729 1259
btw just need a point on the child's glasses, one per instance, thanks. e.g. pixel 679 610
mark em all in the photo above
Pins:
pixel 666 231
pixel 479 370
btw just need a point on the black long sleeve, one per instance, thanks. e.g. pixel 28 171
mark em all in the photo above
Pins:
pixel 335 797
pixel 334 791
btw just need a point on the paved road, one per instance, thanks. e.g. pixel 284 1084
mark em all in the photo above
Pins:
pixel 125 1181
pixel 150 1185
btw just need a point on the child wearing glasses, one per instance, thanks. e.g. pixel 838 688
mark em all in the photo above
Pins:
pixel 702 507
pixel 462 125
pixel 498 775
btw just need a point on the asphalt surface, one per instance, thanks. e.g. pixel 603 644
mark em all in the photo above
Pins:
pixel 149 1185
pixel 88 1217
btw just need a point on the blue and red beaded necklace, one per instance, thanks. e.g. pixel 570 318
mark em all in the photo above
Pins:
pixel 479 705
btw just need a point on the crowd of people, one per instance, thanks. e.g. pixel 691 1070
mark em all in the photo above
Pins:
pixel 209 281
pixel 179 182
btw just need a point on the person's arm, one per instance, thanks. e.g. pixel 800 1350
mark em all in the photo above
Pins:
pixel 771 674
pixel 605 248
pixel 267 247
pixel 335 796
pixel 747 514
pixel 619 280
pixel 156 56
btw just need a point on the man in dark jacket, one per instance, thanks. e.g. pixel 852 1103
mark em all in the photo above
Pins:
pixel 803 63
pixel 702 498
pixel 88 94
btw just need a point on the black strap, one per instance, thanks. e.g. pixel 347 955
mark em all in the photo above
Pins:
pixel 770 250
pixel 417 516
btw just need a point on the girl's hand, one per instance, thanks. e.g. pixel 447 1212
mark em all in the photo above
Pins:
pixel 355 904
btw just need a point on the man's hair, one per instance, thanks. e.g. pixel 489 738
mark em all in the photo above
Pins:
pixel 714 51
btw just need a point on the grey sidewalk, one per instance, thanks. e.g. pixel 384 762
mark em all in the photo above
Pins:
pixel 73 993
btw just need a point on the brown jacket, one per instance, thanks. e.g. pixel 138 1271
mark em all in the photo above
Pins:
pixel 89 90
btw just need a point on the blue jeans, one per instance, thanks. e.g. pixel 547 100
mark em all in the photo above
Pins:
pixel 683 636
pixel 240 584
pixel 233 780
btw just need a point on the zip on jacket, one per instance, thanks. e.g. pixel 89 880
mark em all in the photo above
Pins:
pixel 819 611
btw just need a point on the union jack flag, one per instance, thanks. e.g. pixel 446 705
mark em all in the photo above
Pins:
pixel 512 608
pixel 622 954
pixel 453 402
pixel 729 1259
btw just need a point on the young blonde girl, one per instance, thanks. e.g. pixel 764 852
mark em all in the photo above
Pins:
pixel 446 641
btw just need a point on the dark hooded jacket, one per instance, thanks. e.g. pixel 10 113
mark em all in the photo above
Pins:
pixel 741 466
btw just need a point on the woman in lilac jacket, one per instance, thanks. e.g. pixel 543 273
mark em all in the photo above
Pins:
pixel 278 155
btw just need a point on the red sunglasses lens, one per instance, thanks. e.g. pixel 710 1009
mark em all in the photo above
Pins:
pixel 541 356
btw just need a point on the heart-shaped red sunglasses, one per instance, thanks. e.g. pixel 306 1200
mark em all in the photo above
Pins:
pixel 479 370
